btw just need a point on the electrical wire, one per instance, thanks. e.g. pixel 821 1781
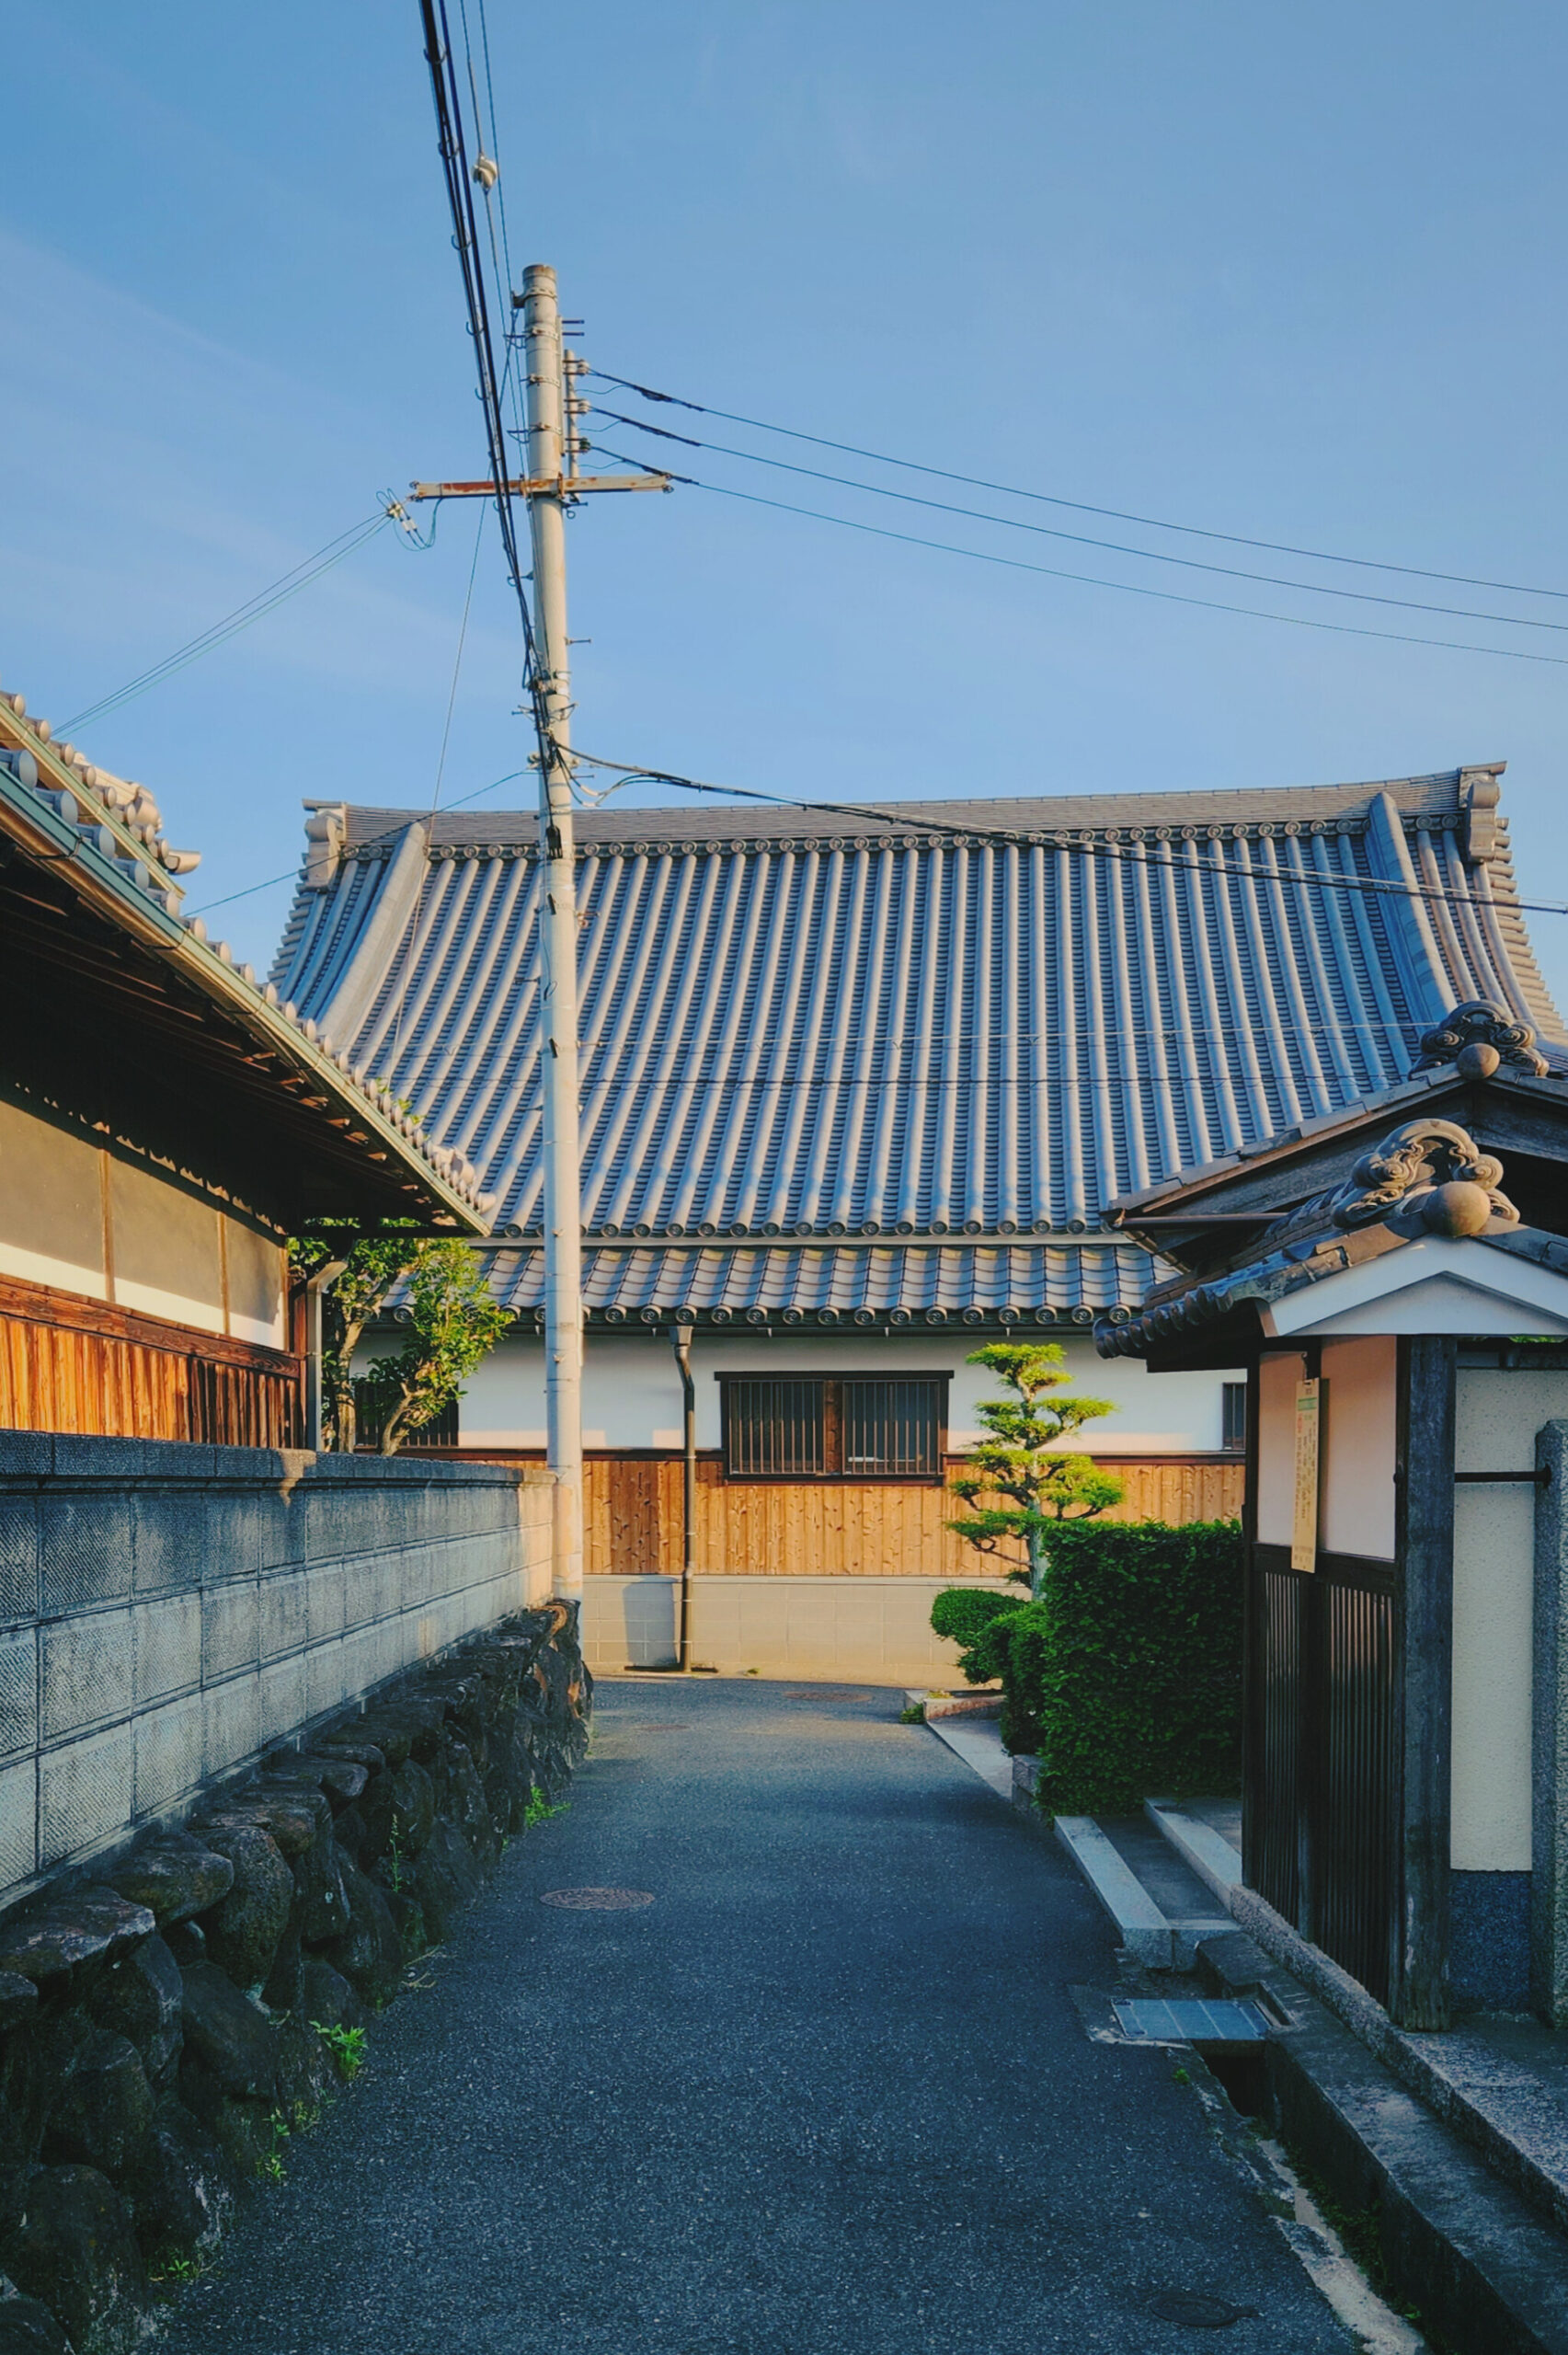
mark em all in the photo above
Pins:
pixel 904 821
pixel 1095 581
pixel 265 600
pixel 1082 539
pixel 291 875
pixel 1079 506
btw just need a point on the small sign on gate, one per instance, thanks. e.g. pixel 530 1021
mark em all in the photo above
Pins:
pixel 1304 1523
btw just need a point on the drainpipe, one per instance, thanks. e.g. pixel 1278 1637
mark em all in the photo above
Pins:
pixel 315 1403
pixel 681 1341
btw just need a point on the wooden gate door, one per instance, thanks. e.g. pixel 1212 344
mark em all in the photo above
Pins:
pixel 1321 1804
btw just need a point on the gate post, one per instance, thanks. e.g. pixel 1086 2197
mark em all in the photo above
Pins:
pixel 1425 1550
pixel 1548 1735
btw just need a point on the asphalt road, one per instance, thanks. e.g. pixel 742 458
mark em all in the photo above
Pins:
pixel 826 2092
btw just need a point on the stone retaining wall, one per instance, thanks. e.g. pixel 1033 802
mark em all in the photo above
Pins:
pixel 166 2025
pixel 166 1611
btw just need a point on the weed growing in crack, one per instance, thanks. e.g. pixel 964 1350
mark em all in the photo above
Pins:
pixel 346 2046
pixel 539 1810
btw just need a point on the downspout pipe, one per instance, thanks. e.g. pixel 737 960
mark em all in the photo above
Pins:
pixel 681 1341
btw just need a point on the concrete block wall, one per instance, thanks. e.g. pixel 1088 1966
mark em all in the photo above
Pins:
pixel 166 1611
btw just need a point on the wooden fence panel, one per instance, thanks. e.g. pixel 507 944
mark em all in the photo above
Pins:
pixel 68 1364
pixel 632 1506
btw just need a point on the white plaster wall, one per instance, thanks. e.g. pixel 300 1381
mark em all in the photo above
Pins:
pixel 1357 1489
pixel 1278 1377
pixel 1498 1415
pixel 632 1391
pixel 51 1218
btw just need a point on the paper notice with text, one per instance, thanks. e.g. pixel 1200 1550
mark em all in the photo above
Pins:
pixel 1304 1524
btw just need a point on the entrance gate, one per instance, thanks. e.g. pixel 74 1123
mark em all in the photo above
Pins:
pixel 1321 1803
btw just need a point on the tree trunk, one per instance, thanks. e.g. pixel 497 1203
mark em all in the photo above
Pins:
pixel 1038 1560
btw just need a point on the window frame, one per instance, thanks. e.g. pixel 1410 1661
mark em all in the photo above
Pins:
pixel 1233 1406
pixel 833 1473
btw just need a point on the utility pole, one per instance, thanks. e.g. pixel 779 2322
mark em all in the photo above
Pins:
pixel 557 935
pixel 552 481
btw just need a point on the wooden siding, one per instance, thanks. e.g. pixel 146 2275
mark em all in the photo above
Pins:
pixel 840 1528
pixel 70 1364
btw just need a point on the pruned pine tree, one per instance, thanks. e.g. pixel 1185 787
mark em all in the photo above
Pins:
pixel 1018 1479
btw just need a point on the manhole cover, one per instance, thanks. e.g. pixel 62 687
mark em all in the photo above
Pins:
pixel 596 1900
pixel 1198 2311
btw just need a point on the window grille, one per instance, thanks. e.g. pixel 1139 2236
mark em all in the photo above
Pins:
pixel 775 1431
pixel 821 1428
pixel 1233 1418
pixel 891 1428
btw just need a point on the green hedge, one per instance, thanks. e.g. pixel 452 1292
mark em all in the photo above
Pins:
pixel 1124 1678
pixel 963 1613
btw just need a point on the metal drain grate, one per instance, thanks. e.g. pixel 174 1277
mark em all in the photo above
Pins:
pixel 596 1900
pixel 1154 2022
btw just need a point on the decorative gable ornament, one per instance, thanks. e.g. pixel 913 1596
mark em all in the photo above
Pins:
pixel 1480 1038
pixel 1427 1178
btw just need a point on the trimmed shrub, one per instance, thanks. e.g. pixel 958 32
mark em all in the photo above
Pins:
pixel 963 1613
pixel 1124 1678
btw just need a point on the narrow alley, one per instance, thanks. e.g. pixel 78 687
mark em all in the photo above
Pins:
pixel 827 2091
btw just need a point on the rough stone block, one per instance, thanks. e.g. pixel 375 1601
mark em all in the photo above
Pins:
pixel 18 1690
pixel 169 1754
pixel 168 1647
pixel 73 2248
pixel 230 1627
pixel 19 1824
pixel 87 1676
pixel 84 1789
pixel 83 1550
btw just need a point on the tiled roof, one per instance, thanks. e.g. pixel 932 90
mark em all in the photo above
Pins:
pixel 838 1027
pixel 861 1283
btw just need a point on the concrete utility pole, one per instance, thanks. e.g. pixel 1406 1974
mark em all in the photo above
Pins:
pixel 552 481
pixel 557 934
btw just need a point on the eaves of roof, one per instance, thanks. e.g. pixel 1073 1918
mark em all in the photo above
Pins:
pixel 104 877
pixel 1024 1282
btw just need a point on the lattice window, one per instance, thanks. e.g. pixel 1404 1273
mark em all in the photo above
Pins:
pixel 821 1426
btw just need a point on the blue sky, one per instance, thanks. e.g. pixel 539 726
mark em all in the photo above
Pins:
pixel 1294 273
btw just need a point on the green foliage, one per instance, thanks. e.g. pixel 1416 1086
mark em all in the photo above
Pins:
pixel 963 1613
pixel 346 2046
pixel 367 1267
pixel 1021 1463
pixel 539 1810
pixel 914 1714
pixel 456 1323
pixel 1124 1677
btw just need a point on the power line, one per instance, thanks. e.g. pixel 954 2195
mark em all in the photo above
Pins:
pixel 1082 539
pixel 265 600
pixel 1126 853
pixel 1093 581
pixel 1079 506
pixel 291 875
